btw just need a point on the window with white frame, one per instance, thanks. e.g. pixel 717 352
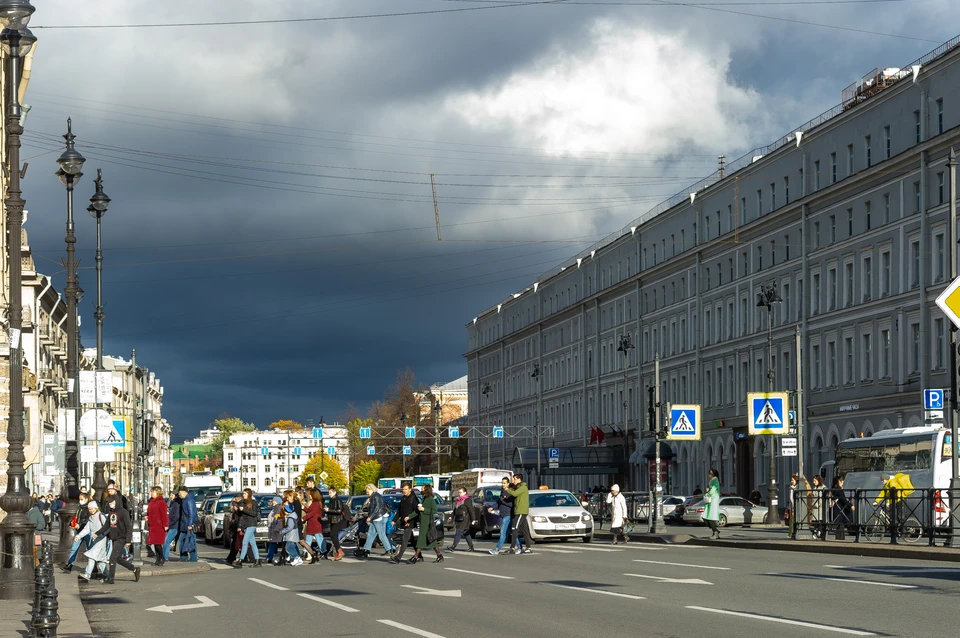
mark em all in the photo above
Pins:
pixel 914 348
pixel 940 257
pixel 848 284
pixel 831 289
pixel 939 343
pixel 815 368
pixel 866 356
pixel 866 277
pixel 831 364
pixel 848 360
pixel 885 355
pixel 915 263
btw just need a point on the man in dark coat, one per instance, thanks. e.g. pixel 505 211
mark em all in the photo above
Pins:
pixel 119 530
pixel 406 519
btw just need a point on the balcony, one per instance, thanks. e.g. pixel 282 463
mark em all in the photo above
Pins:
pixel 44 332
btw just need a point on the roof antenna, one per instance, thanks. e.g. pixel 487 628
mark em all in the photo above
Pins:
pixel 722 161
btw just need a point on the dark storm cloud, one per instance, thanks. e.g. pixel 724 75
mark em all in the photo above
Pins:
pixel 279 288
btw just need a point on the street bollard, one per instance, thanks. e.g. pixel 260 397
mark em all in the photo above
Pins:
pixel 49 619
pixel 42 582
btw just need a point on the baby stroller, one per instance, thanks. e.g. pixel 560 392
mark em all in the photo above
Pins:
pixel 348 535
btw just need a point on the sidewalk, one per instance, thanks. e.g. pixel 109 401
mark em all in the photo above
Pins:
pixel 776 538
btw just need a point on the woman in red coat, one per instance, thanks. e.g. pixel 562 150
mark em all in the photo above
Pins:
pixel 314 528
pixel 158 522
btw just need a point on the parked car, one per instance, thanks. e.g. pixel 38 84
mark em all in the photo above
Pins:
pixel 675 517
pixel 734 510
pixel 212 525
pixel 204 510
pixel 559 514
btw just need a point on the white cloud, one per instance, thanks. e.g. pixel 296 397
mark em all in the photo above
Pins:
pixel 630 90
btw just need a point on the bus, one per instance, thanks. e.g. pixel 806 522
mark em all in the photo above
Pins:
pixel 440 483
pixel 392 483
pixel 924 453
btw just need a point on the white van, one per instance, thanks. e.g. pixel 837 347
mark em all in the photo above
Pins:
pixel 201 485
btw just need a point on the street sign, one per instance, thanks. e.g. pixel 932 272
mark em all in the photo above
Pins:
pixel 410 432
pixel 297 451
pixel 220 472
pixel 318 433
pixel 933 399
pixel 323 476
pixel 553 453
pixel 454 432
pixel 789 441
pixel 264 451
pixel 498 433
pixel 407 450
pixel 793 417
pixel 684 422
pixel 766 412
pixel 788 451
pixel 365 433
pixel 949 302
pixel 371 450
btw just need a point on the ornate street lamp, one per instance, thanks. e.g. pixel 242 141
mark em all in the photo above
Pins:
pixel 97 209
pixel 16 531
pixel 536 377
pixel 768 298
pixel 70 172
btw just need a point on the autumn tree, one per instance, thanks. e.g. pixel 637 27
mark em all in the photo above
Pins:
pixel 286 425
pixel 365 472
pixel 319 463
pixel 227 426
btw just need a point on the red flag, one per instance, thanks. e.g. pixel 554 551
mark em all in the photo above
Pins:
pixel 601 437
pixel 593 435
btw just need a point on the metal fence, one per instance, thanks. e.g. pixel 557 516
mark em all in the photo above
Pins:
pixel 892 516
pixel 638 507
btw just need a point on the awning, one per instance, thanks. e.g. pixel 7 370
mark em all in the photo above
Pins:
pixel 573 460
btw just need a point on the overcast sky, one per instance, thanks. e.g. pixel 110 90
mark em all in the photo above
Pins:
pixel 271 249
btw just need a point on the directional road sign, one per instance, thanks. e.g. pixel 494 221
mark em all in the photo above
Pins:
pixel 684 422
pixel 498 433
pixel 371 450
pixel 949 302
pixel 767 412
pixel 410 432
pixel 297 451
pixel 318 433
pixel 407 450
pixel 365 433
pixel 454 432
pixel 933 399
pixel 264 451
pixel 331 451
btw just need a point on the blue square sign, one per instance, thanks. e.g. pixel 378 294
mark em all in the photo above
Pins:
pixel 498 433
pixel 318 433
pixel 331 451
pixel 410 432
pixel 371 450
pixel 933 399
pixel 553 453
pixel 454 432
pixel 407 450
pixel 684 423
pixel 365 433
pixel 767 413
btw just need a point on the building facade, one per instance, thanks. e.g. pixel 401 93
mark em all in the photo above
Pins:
pixel 846 218
pixel 267 461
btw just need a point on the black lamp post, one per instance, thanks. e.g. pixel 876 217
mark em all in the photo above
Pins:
pixel 536 377
pixel 626 345
pixel 97 209
pixel 438 411
pixel 486 399
pixel 71 163
pixel 768 298
pixel 16 531
pixel 403 457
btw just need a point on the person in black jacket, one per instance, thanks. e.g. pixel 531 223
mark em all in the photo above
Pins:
pixel 231 531
pixel 465 517
pixel 248 517
pixel 336 517
pixel 119 530
pixel 405 519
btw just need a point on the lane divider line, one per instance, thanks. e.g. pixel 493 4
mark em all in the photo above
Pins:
pixel 659 562
pixel 783 621
pixel 413 630
pixel 328 602
pixel 466 571
pixel 596 591
pixel 843 580
pixel 266 584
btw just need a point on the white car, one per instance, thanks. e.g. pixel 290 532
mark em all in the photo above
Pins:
pixel 213 521
pixel 558 514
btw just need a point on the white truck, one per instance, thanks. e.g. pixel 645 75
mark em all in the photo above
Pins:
pixel 476 477
pixel 201 485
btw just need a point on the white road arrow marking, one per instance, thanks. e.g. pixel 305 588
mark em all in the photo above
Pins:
pixel 169 609
pixel 662 579
pixel 449 593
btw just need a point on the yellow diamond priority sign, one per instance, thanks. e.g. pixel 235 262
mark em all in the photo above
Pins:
pixel 949 302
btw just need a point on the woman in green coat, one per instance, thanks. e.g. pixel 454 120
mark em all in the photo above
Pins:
pixel 427 538
pixel 711 503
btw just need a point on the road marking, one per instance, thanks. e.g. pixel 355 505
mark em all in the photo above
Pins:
pixel 844 580
pixel 328 602
pixel 659 562
pixel 649 548
pixel 216 565
pixel 895 570
pixel 464 571
pixel 558 551
pixel 447 593
pixel 587 548
pixel 663 579
pixel 169 609
pixel 480 553
pixel 784 621
pixel 596 591
pixel 266 584
pixel 412 630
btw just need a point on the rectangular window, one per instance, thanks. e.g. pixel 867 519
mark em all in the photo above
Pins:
pixel 815 371
pixel 940 186
pixel 732 272
pixel 868 207
pixel 915 349
pixel 743 208
pixel 886 208
pixel 730 320
pixel 706 228
pixel 848 287
pixel 886 141
pixel 815 294
pixel 833 229
pixel 786 189
pixel 832 289
pixel 707 327
pixel 866 356
pixel 849 222
pixel 849 159
pixel 868 148
pixel 785 304
pixel 759 257
pixel 773 196
pixel 729 217
pixel 773 252
pixel 848 360
pixel 816 175
pixel 941 258
pixel 744 259
pixel 833 168
pixel 831 364
pixel 915 263
pixel 940 116
pixel 786 244
pixel 866 268
pixel 885 274
pixel 759 201
pixel 916 197
pixel 816 234
pixel 743 315
pixel 708 390
pixel 884 354
pixel 916 122
pixel 941 345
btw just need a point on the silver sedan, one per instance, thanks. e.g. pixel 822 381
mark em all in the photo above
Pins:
pixel 734 510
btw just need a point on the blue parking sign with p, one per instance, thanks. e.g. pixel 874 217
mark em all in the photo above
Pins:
pixel 767 413
pixel 933 399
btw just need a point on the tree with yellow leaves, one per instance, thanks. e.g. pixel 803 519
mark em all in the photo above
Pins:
pixel 320 462
pixel 286 425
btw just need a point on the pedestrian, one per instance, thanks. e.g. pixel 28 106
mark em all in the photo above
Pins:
pixel 377 515
pixel 464 517
pixel 521 510
pixel 158 523
pixel 815 504
pixel 427 537
pixel 232 534
pixel 45 511
pixel 35 514
pixel 755 497
pixel 182 515
pixel 291 533
pixel 789 511
pixel 618 513
pixel 120 533
pixel 290 498
pixel 78 522
pixel 112 491
pixel 405 519
pixel 697 491
pixel 275 532
pixel 711 503
pixel 335 517
pixel 505 510
pixel 55 509
pixel 98 551
pixel 249 515
pixel 842 509
pixel 313 525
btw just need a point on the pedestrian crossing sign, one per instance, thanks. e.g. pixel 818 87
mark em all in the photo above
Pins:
pixel 684 423
pixel 767 413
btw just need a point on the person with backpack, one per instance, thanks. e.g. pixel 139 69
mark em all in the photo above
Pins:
pixel 275 532
pixel 291 534
pixel 98 552
pixel 505 508
pixel 464 517
pixel 521 510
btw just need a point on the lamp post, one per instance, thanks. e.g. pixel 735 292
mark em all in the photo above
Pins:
pixel 767 298
pixel 97 209
pixel 70 172
pixel 403 457
pixel 536 377
pixel 626 345
pixel 438 411
pixel 486 398
pixel 16 531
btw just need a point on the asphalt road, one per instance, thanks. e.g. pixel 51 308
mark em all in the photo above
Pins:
pixel 563 589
